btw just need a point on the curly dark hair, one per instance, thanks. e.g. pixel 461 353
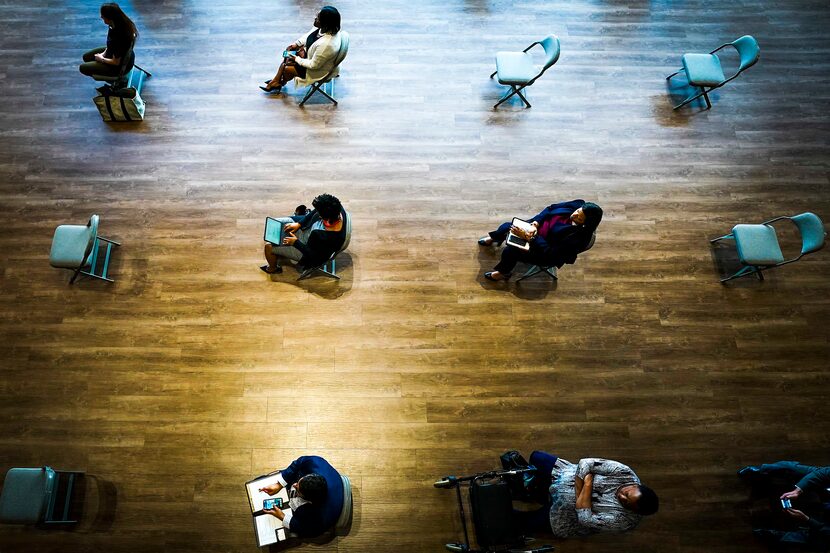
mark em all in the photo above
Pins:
pixel 328 207
pixel 313 488
pixel 648 504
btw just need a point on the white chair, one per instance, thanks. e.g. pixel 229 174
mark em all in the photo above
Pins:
pixel 517 69
pixel 323 268
pixel 318 86
pixel 75 247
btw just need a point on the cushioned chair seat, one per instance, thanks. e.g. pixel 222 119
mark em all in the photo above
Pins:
pixel 515 68
pixel 69 246
pixel 703 69
pixel 23 500
pixel 757 244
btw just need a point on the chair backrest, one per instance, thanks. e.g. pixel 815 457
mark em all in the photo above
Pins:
pixel 552 50
pixel 812 232
pixel 341 55
pixel 348 223
pixel 92 225
pixel 345 518
pixel 590 243
pixel 749 51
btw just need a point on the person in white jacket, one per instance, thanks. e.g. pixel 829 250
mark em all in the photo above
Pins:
pixel 312 56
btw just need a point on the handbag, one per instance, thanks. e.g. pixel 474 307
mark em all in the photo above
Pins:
pixel 120 105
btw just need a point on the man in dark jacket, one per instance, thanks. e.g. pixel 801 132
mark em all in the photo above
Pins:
pixel 315 496
pixel 809 499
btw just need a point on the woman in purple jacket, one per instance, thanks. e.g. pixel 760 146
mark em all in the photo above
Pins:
pixel 560 232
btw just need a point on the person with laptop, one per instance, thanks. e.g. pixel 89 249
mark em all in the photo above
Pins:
pixel 310 239
pixel 553 237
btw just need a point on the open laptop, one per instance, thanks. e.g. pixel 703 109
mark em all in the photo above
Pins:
pixel 273 231
pixel 517 241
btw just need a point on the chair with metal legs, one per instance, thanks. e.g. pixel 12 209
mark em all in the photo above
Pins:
pixel 41 496
pixel 318 86
pixel 517 70
pixel 705 72
pixel 551 270
pixel 75 247
pixel 758 247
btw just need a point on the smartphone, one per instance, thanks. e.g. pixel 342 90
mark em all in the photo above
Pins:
pixel 787 504
pixel 271 503
pixel 288 53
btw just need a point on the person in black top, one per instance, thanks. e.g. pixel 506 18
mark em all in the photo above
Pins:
pixel 312 238
pixel 327 22
pixel 108 60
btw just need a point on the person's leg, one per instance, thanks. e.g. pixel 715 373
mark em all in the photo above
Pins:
pixel 273 253
pixel 500 233
pixel 284 74
pixel 540 486
pixel 90 56
pixel 509 257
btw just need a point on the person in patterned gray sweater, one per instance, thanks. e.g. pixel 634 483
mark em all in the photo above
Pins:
pixel 592 496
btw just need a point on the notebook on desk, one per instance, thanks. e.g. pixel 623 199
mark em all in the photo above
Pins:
pixel 268 529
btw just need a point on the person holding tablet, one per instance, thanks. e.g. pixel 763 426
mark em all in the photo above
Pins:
pixel 553 237
pixel 122 33
pixel 309 239
pixel 310 57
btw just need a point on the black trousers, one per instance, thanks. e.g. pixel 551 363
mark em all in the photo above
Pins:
pixel 537 521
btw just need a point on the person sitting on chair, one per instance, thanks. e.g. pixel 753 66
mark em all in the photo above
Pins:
pixel 312 56
pixel 593 496
pixel 805 487
pixel 315 496
pixel 312 238
pixel 107 60
pixel 560 232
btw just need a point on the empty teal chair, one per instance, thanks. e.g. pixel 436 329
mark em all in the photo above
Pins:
pixel 758 247
pixel 704 71
pixel 517 70
pixel 75 247
pixel 38 496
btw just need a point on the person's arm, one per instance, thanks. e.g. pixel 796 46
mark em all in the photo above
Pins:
pixel 583 498
pixel 603 522
pixel 294 472
pixel 816 480
pixel 573 205
pixel 604 467
pixel 321 57
pixel 274 489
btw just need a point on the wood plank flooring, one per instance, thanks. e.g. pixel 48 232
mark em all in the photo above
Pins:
pixel 194 371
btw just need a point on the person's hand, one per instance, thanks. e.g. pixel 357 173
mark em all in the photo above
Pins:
pixel 276 512
pixel 791 495
pixel 291 228
pixel 272 489
pixel 589 481
pixel 522 233
pixel 798 515
pixel 99 58
pixel 289 240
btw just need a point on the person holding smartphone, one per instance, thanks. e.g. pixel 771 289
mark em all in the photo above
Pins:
pixel 560 232
pixel 310 57
pixel 805 504
pixel 315 496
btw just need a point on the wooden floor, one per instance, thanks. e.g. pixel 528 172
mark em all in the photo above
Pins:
pixel 194 371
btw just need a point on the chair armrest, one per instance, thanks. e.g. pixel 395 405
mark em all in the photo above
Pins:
pixel 531 46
